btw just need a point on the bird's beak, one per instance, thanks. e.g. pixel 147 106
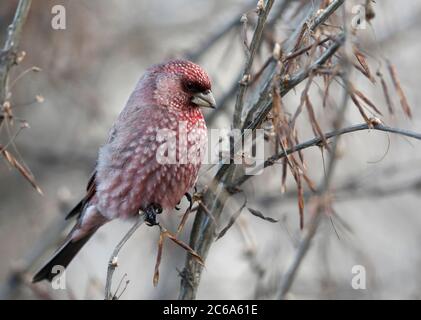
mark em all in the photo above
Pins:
pixel 204 99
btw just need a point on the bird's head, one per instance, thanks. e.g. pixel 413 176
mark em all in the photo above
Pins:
pixel 182 84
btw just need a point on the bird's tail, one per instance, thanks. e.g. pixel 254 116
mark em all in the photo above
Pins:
pixel 63 256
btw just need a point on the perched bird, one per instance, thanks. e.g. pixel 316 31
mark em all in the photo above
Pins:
pixel 151 158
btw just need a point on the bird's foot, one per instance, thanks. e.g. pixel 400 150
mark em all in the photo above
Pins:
pixel 189 199
pixel 150 214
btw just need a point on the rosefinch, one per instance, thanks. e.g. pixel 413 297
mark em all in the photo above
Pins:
pixel 129 175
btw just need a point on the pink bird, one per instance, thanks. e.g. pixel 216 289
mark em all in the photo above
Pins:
pixel 133 171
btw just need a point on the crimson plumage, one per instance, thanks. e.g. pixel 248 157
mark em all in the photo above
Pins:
pixel 134 169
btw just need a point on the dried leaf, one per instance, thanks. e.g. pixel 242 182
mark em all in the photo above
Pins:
pixel 302 171
pixel 260 215
pixel 232 220
pixel 185 247
pixel 284 175
pixel 277 116
pixel 300 153
pixel 183 220
pixel 404 102
pixel 367 101
pixel 360 108
pixel 300 195
pixel 23 171
pixel 309 182
pixel 364 65
pixel 158 258
pixel 300 192
pixel 315 125
pixel 327 82
pixel 386 93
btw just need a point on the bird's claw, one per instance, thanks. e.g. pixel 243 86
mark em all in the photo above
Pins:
pixel 189 199
pixel 150 214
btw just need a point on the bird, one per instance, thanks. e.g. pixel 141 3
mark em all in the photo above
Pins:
pixel 137 168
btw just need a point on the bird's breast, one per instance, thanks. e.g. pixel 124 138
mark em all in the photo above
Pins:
pixel 157 164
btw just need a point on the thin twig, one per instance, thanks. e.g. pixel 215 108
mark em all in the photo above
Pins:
pixel 318 140
pixel 112 262
pixel 254 45
pixel 212 39
pixel 223 101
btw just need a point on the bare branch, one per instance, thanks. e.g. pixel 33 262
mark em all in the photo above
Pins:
pixel 112 263
pixel 195 55
pixel 254 45
pixel 318 140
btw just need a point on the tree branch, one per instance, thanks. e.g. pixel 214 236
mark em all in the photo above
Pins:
pixel 195 55
pixel 264 104
pixel 318 140
pixel 9 51
pixel 223 101
pixel 203 230
pixel 254 45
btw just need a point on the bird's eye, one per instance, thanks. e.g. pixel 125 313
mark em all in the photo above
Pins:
pixel 190 86
pixel 193 86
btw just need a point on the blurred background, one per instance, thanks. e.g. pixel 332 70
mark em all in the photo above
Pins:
pixel 88 71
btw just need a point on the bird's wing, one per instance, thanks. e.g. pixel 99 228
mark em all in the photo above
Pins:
pixel 91 186
pixel 90 191
pixel 131 124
